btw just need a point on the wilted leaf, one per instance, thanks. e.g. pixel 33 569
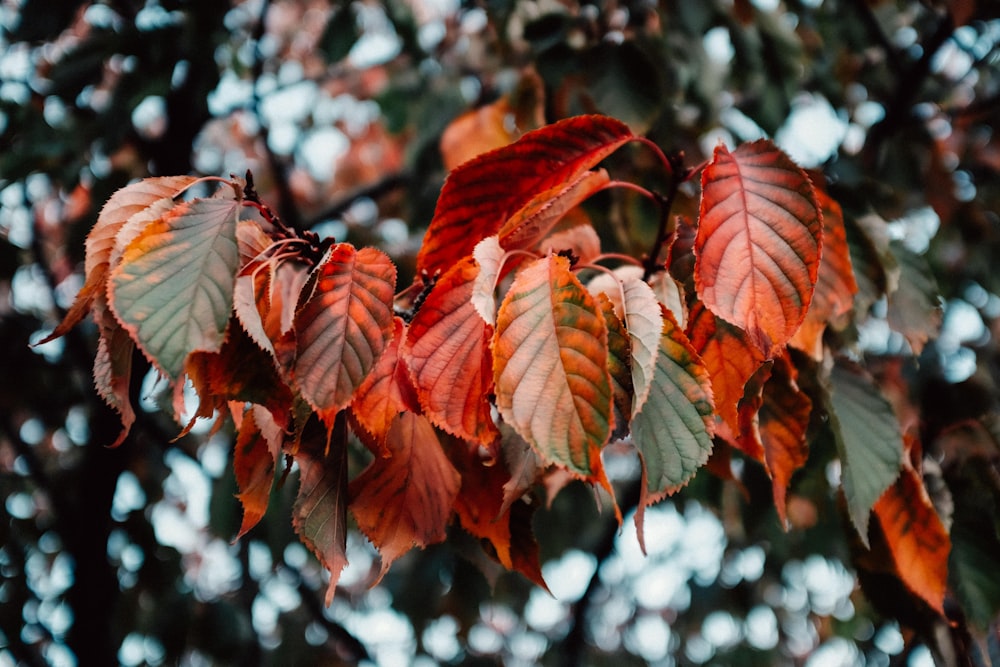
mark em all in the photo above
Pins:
pixel 917 540
pixel 673 431
pixel 406 500
pixel 173 290
pixel 479 196
pixel 758 243
pixel 343 328
pixel 320 512
pixel 550 370
pixel 447 351
pixel 113 367
pixel 257 449
pixel 868 441
pixel 536 218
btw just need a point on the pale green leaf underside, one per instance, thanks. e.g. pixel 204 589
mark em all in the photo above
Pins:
pixel 173 290
pixel 868 440
pixel 672 431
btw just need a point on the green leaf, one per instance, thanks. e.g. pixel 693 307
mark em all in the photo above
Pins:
pixel 173 290
pixel 340 34
pixel 915 307
pixel 673 430
pixel 868 440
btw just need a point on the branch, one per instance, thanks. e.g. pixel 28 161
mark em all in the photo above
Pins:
pixel 897 109
pixel 374 190
pixel 679 174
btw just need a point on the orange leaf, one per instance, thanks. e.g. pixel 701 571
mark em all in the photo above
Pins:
pixel 550 367
pixel 386 392
pixel 779 427
pixel 480 195
pixel 257 449
pixel 918 541
pixel 447 351
pixel 483 513
pixel 320 512
pixel 619 364
pixel 758 243
pixel 343 328
pixel 835 285
pixel 536 218
pixel 477 131
pixel 113 366
pixel 729 357
pixel 406 500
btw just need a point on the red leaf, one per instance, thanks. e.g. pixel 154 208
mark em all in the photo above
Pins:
pixel 758 243
pixel 479 196
pixel 481 510
pixel 406 500
pixel 779 428
pixel 729 357
pixel 386 392
pixel 835 285
pixel 918 541
pixel 447 350
pixel 257 449
pixel 320 513
pixel 536 218
pixel 344 326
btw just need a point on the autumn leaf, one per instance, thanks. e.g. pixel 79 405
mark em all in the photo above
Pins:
pixel 343 328
pixel 477 131
pixel 729 357
pixel 918 541
pixel 113 367
pixel 258 446
pixel 483 513
pixel 780 427
pixel 405 500
pixel 447 351
pixel 173 290
pixel 868 441
pixel 386 392
pixel 536 218
pixel 489 258
pixel 479 196
pixel 619 365
pixel 644 324
pixel 673 430
pixel 550 370
pixel 758 243
pixel 833 298
pixel 121 206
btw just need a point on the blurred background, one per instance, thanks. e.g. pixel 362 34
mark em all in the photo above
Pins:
pixel 340 110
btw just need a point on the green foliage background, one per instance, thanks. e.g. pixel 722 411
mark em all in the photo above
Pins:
pixel 95 94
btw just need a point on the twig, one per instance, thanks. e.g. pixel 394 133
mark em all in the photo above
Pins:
pixel 386 184
pixel 679 174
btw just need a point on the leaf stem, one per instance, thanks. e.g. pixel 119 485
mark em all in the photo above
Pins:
pixel 679 174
